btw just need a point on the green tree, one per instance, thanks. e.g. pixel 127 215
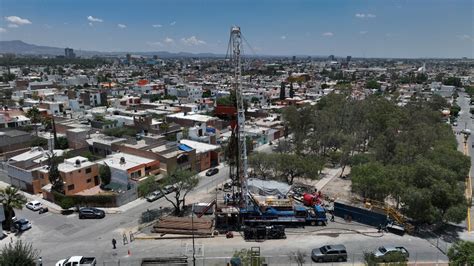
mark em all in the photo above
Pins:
pixel 292 91
pixel 54 175
pixel 18 253
pixel 453 81
pixel 35 117
pixel 105 174
pixel 62 143
pixel 461 253
pixel 11 198
pixel 372 84
pixel 184 182
pixel 282 91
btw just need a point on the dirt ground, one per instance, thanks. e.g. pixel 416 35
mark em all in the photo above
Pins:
pixel 339 189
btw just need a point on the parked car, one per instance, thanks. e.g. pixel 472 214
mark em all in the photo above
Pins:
pixel 91 213
pixel 22 224
pixel 212 171
pixel 154 196
pixel 34 205
pixel 329 253
pixel 391 254
pixel 77 261
pixel 168 189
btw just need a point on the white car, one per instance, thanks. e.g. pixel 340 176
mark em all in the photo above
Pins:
pixel 22 224
pixel 34 205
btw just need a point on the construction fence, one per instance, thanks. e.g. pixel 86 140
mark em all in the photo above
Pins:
pixel 283 260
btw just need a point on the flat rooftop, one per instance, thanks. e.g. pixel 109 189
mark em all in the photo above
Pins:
pixel 130 161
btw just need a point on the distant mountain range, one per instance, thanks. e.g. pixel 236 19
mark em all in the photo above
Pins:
pixel 20 47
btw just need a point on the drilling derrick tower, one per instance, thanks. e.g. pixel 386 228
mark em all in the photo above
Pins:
pixel 235 47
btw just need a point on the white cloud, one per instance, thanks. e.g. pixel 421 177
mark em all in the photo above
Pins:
pixel 173 23
pixel 17 20
pixel 192 41
pixel 283 37
pixel 122 26
pixel 363 32
pixel 91 24
pixel 155 43
pixel 362 15
pixel 13 25
pixel 328 34
pixel 157 25
pixel 168 40
pixel 92 19
pixel 465 37
pixel 2 30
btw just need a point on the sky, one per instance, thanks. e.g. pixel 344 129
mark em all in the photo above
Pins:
pixel 360 28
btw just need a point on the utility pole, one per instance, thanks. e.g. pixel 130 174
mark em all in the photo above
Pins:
pixel 192 229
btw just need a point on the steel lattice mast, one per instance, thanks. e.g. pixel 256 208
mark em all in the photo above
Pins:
pixel 236 47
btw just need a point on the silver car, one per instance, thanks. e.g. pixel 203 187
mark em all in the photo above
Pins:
pixel 22 224
pixel 329 253
pixel 154 196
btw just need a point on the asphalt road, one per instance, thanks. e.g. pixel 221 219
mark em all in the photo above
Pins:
pixel 465 121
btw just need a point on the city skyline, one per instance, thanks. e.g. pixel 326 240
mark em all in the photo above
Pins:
pixel 407 29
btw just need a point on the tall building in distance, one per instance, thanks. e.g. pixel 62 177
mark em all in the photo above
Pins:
pixel 69 53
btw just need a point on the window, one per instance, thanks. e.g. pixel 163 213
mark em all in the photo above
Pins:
pixel 88 170
pixel 89 180
pixel 70 187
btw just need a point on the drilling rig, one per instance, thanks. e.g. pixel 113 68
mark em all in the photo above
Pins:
pixel 235 50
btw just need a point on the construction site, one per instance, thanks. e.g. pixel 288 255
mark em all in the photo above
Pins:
pixel 259 210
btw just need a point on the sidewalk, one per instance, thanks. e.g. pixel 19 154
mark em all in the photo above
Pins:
pixel 52 207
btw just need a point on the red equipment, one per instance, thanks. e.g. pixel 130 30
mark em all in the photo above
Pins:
pixel 312 199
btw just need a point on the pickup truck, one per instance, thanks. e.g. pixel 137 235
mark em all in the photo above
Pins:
pixel 77 261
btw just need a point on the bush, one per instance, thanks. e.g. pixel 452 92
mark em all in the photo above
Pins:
pixel 38 142
pixel 396 259
pixel 62 143
pixel 120 132
pixel 66 203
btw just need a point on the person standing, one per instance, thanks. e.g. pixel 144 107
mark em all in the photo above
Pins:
pixel 114 243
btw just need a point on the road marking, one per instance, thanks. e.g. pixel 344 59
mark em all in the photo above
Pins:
pixel 468 190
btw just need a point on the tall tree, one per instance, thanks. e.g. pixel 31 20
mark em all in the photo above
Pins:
pixel 54 175
pixel 35 117
pixel 18 253
pixel 11 199
pixel 105 174
pixel 292 91
pixel 184 182
pixel 282 91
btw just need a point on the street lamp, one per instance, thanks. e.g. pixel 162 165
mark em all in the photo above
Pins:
pixel 192 229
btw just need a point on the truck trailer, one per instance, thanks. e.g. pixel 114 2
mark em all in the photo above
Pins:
pixel 296 215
